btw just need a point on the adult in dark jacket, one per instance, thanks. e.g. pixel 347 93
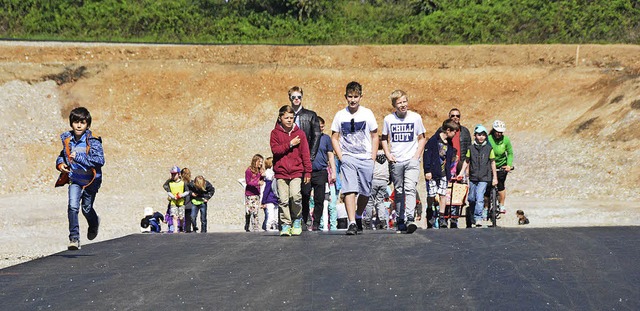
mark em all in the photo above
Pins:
pixel 462 140
pixel 309 123
pixel 439 155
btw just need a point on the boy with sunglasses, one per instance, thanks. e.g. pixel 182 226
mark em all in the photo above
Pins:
pixel 355 142
pixel 307 120
pixel 462 140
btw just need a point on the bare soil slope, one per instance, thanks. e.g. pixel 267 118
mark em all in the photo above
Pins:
pixel 572 113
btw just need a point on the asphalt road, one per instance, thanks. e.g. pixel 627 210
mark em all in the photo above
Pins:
pixel 592 268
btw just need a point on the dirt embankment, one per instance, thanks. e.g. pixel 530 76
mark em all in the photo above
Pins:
pixel 572 113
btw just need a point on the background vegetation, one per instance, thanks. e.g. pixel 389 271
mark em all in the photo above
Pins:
pixel 324 21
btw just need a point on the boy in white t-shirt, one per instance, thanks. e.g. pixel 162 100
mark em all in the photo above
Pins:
pixel 403 142
pixel 355 140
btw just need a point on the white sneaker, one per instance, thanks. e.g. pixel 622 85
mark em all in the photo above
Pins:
pixel 503 210
pixel 74 245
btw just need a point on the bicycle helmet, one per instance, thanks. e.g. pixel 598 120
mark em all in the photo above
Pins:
pixel 499 126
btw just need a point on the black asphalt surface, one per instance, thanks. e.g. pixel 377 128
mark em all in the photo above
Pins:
pixel 479 269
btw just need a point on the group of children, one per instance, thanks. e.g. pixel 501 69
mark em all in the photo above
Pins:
pixel 186 198
pixel 366 172
pixel 274 184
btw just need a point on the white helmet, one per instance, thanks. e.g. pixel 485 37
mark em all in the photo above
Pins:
pixel 499 126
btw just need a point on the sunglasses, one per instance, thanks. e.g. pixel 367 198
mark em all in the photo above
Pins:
pixel 353 125
pixel 454 116
pixel 295 97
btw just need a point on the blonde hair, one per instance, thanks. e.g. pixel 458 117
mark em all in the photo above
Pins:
pixel 185 174
pixel 295 89
pixel 395 95
pixel 268 163
pixel 200 183
pixel 254 163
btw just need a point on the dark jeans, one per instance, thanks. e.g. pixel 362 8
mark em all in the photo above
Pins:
pixel 202 208
pixel 318 184
pixel 81 199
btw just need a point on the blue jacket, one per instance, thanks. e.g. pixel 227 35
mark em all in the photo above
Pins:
pixel 431 157
pixel 86 169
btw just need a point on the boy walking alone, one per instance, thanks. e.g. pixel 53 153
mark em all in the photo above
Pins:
pixel 80 164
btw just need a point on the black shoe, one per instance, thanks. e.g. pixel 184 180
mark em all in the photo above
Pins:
pixel 92 232
pixel 401 226
pixel 442 223
pixel 411 227
pixel 352 230
pixel 359 224
pixel 315 227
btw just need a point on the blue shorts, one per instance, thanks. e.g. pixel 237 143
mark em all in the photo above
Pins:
pixel 356 175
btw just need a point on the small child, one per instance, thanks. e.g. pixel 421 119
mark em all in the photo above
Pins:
pixel 177 190
pixel 254 179
pixel 481 164
pixel 375 205
pixel 80 164
pixel 270 197
pixel 151 221
pixel 522 219
pixel 186 225
pixel 292 164
pixel 201 192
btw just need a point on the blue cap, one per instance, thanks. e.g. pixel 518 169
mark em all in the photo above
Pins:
pixel 480 129
pixel 175 169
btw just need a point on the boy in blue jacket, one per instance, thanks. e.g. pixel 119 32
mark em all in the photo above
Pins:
pixel 80 164
pixel 438 156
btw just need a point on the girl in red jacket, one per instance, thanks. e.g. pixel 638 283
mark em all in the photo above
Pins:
pixel 291 164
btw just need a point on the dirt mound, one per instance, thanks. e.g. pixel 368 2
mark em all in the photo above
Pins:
pixel 211 107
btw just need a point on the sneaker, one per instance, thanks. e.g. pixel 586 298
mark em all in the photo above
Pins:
pixel 352 230
pixel 442 223
pixel 297 227
pixel 92 233
pixel 74 245
pixel 286 230
pixel 411 227
pixel 402 228
pixel 359 225
pixel 478 224
pixel 503 210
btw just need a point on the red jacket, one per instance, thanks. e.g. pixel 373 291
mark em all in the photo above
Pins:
pixel 289 163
